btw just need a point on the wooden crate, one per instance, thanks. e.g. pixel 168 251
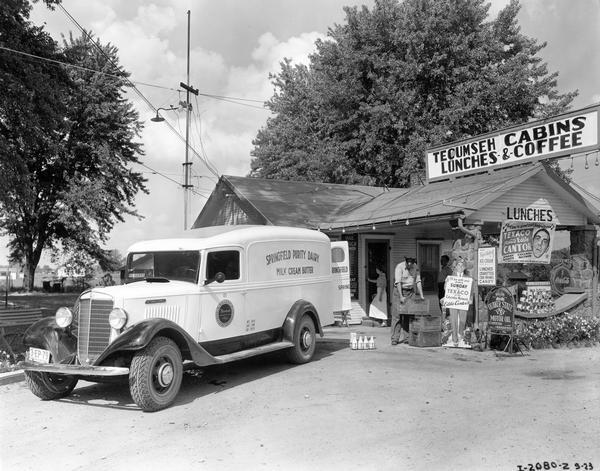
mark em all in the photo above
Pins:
pixel 426 323
pixel 425 339
pixel 415 306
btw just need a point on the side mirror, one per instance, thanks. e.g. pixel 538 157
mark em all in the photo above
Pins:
pixel 219 278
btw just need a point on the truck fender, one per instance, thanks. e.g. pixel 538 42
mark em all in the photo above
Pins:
pixel 298 309
pixel 46 334
pixel 140 335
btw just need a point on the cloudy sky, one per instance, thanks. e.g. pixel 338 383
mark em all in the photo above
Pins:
pixel 235 44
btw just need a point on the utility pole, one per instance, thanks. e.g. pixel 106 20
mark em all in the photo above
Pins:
pixel 186 166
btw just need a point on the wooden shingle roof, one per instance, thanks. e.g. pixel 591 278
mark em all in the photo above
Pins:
pixel 332 206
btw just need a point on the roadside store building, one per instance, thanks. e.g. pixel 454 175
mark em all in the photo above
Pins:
pixel 385 225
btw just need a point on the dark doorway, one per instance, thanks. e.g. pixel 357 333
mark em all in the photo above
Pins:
pixel 377 255
pixel 429 265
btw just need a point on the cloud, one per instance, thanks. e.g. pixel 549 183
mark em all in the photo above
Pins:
pixel 220 130
pixel 155 19
pixel 270 51
pixel 140 51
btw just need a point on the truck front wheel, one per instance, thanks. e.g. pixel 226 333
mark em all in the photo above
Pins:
pixel 305 340
pixel 155 375
pixel 48 386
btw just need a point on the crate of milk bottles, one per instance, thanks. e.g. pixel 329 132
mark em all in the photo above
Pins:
pixel 361 341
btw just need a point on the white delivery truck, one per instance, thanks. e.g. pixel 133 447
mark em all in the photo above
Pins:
pixel 223 294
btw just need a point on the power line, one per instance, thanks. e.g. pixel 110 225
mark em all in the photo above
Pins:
pixel 234 102
pixel 231 98
pixel 198 127
pixel 140 94
pixel 228 99
pixel 208 165
pixel 80 67
pixel 586 192
pixel 153 171
pixel 156 172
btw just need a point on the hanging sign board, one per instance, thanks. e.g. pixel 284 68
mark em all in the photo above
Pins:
pixel 570 133
pixel 340 271
pixel 352 240
pixel 501 310
pixel 526 242
pixel 458 292
pixel 486 266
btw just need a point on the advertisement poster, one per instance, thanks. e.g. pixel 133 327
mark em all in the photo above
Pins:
pixel 537 299
pixel 501 310
pixel 560 279
pixel 486 266
pixel 340 269
pixel 352 240
pixel 526 242
pixel 458 292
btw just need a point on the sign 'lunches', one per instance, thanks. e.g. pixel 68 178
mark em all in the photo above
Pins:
pixel 567 134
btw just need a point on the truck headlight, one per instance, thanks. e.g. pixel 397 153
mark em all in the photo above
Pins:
pixel 117 318
pixel 63 317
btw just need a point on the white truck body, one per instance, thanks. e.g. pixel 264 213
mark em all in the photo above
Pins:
pixel 221 294
pixel 278 266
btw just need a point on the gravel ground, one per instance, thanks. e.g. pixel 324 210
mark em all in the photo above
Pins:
pixel 388 409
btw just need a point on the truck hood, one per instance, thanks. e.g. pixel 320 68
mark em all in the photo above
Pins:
pixel 144 289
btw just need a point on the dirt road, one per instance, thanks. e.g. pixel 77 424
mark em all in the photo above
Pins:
pixel 392 408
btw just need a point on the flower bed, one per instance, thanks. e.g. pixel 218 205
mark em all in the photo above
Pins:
pixel 563 330
pixel 8 362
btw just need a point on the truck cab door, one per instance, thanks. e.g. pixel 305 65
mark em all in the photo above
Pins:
pixel 223 303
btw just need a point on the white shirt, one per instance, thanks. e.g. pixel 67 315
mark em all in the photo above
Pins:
pixel 404 277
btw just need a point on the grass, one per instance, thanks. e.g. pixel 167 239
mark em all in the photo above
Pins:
pixel 47 302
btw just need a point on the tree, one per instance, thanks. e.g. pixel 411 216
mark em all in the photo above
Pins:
pixel 390 82
pixel 67 142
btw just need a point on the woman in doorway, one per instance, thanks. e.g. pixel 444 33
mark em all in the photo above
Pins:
pixel 378 307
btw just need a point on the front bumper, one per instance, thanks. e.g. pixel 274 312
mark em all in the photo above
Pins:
pixel 73 370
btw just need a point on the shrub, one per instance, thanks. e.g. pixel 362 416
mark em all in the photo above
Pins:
pixel 562 329
pixel 8 362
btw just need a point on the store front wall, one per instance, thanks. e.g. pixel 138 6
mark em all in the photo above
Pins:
pixel 428 241
pixel 425 242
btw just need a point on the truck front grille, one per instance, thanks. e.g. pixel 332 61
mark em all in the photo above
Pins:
pixel 91 327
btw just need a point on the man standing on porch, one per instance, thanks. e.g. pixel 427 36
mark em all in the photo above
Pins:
pixel 407 282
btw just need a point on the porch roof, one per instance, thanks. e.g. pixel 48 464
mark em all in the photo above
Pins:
pixel 329 206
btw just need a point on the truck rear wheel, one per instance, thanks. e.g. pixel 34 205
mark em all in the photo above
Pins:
pixel 48 386
pixel 305 341
pixel 155 375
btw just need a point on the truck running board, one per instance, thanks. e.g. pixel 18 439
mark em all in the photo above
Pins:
pixel 251 352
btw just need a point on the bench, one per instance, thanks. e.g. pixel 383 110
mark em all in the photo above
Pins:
pixel 13 323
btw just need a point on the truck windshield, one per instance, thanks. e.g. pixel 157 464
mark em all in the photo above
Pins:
pixel 179 265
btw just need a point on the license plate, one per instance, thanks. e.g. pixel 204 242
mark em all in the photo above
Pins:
pixel 38 355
